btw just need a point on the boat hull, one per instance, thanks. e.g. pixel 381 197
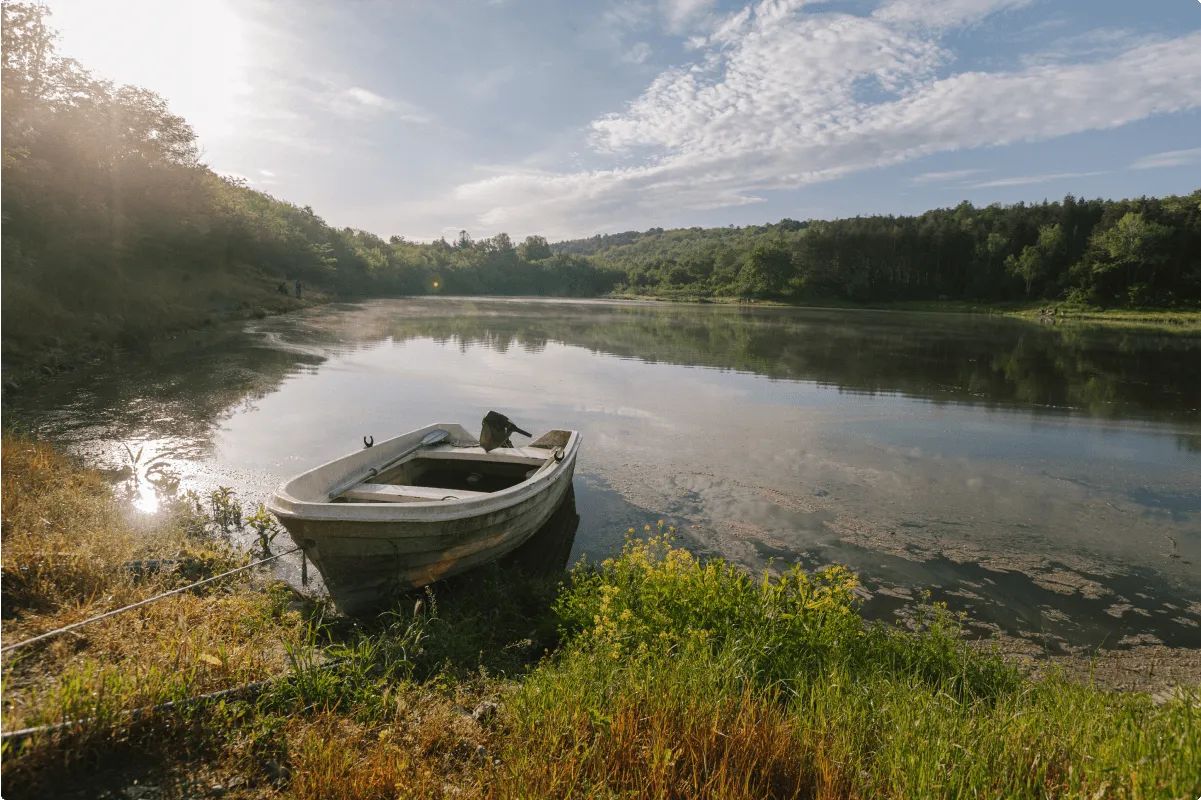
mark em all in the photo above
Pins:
pixel 368 553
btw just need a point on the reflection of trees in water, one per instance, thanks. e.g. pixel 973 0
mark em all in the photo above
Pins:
pixel 173 388
pixel 179 388
pixel 1100 372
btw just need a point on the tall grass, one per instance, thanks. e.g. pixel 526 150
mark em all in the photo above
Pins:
pixel 674 663
pixel 71 551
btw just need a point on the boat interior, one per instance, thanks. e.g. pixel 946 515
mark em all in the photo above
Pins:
pixel 447 472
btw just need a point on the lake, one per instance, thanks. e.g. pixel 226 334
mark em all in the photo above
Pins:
pixel 1047 480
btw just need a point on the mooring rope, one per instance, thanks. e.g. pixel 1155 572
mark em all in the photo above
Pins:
pixel 244 692
pixel 147 601
pixel 137 714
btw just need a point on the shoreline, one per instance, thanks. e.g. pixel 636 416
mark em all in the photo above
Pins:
pixel 73 351
pixel 529 670
pixel 1168 320
pixel 69 354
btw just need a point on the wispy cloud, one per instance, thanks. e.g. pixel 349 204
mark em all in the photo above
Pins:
pixel 638 53
pixel 368 99
pixel 1025 180
pixel 945 176
pixel 681 14
pixel 944 13
pixel 355 102
pixel 1169 158
pixel 1091 44
pixel 774 101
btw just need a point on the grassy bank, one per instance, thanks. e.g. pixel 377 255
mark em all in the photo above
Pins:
pixel 1175 320
pixel 653 674
pixel 48 334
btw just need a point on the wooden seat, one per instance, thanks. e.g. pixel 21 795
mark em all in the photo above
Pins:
pixel 389 493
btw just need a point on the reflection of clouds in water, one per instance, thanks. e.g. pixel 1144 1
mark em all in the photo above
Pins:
pixel 612 411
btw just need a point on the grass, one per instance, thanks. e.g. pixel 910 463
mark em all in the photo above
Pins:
pixel 653 674
pixel 56 328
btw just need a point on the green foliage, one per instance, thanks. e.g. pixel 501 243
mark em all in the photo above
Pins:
pixel 671 676
pixel 265 528
pixel 1036 261
pixel 682 677
pixel 656 597
pixel 225 510
pixel 534 248
pixel 766 271
pixel 114 230
pixel 1142 251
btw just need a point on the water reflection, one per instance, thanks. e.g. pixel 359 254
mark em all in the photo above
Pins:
pixel 939 357
pixel 548 551
pixel 1047 479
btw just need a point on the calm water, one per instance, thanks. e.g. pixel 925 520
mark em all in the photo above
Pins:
pixel 1048 480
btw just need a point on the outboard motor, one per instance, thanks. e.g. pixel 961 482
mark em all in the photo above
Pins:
pixel 496 431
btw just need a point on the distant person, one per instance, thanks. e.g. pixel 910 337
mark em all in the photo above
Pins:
pixel 299 287
pixel 283 287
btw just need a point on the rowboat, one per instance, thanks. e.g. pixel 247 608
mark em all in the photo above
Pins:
pixel 406 512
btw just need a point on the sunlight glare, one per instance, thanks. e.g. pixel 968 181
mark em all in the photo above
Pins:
pixel 196 55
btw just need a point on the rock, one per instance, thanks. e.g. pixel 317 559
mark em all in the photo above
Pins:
pixel 216 790
pixel 485 712
pixel 277 772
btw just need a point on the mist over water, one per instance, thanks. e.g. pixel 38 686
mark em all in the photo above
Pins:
pixel 1047 480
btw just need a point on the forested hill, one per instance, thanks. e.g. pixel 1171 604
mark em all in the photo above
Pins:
pixel 1144 252
pixel 114 231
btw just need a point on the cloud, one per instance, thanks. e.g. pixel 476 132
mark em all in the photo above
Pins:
pixel 638 53
pixel 1026 180
pixel 356 103
pixel 944 177
pixel 680 14
pixel 944 13
pixel 780 96
pixel 368 98
pixel 1169 158
pixel 1091 44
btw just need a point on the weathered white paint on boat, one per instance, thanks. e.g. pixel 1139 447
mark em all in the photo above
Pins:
pixel 367 551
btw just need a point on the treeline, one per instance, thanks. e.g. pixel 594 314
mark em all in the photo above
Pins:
pixel 114 230
pixel 1143 252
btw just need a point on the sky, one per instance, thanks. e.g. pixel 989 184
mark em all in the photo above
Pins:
pixel 568 119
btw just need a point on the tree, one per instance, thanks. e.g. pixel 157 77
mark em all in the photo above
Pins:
pixel 501 243
pixel 534 248
pixel 766 271
pixel 1129 245
pixel 1036 261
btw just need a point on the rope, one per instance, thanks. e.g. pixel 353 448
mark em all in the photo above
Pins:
pixel 136 714
pixel 147 601
pixel 244 692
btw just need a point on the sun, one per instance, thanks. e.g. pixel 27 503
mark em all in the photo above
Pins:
pixel 196 55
